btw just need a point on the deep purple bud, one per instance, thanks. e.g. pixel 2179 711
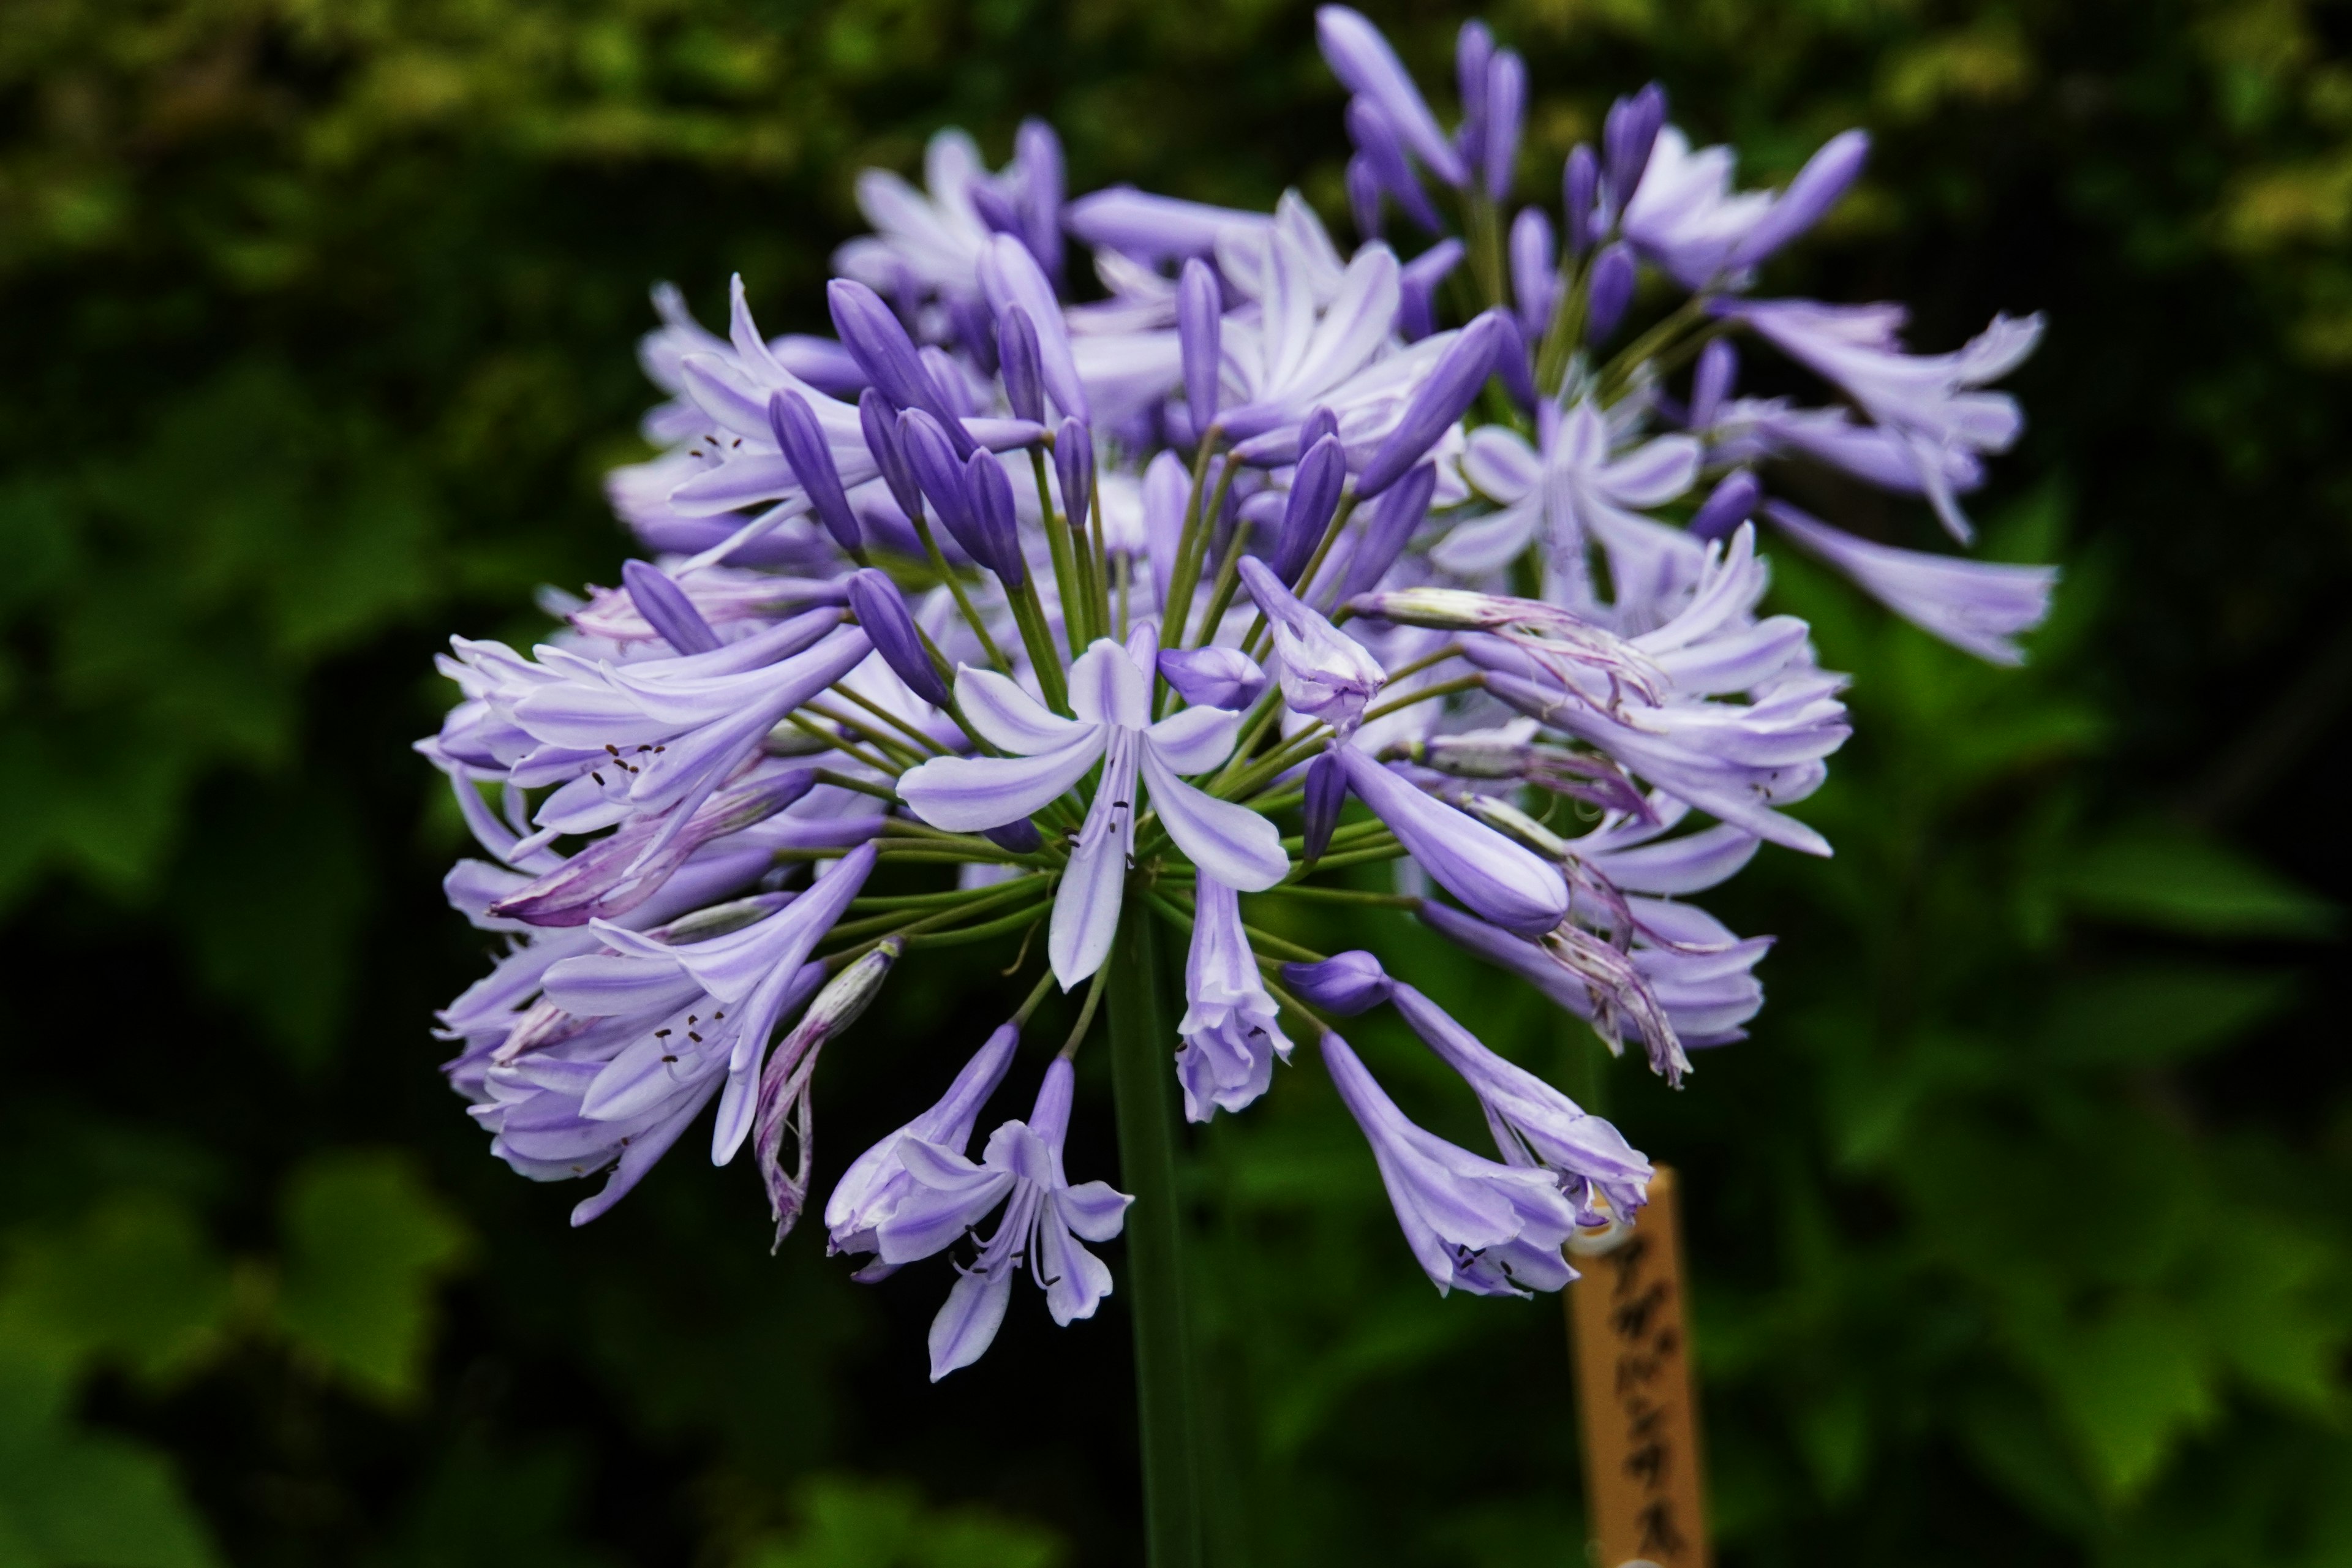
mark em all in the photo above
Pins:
pixel 888 355
pixel 1626 138
pixel 1443 397
pixel 1535 272
pixel 1326 791
pixel 666 608
pixel 993 519
pixel 954 388
pixel 802 439
pixel 1213 677
pixel 1395 517
pixel 1417 289
pixel 1319 423
pixel 1733 503
pixel 1038 151
pixel 1611 292
pixel 1376 139
pixel 1711 383
pixel 1074 465
pixel 1516 364
pixel 1473 50
pixel 1816 188
pixel 1363 61
pixel 1507 106
pixel 1314 496
pixel 1580 187
pixel 1200 336
pixel 874 600
pixel 994 207
pixel 1016 837
pixel 933 460
pixel 1016 358
pixel 880 422
pixel 1364 197
pixel 1346 985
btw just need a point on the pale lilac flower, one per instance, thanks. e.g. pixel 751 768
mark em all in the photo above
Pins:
pixel 1110 694
pixel 1930 402
pixel 1213 677
pixel 877 1181
pixel 1978 605
pixel 1688 220
pixel 1326 675
pixel 785 1104
pixel 1230 1033
pixel 1044 1219
pixel 1488 1228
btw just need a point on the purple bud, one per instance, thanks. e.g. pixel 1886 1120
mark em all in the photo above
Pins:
pixel 1017 837
pixel 1611 292
pixel 975 328
pixel 935 464
pixel 802 440
pixel 1038 153
pixel 874 600
pixel 888 355
pixel 1535 275
pixel 1711 383
pixel 1733 503
pixel 1417 289
pixel 1364 197
pixel 1346 985
pixel 1626 137
pixel 1516 364
pixel 1473 51
pixel 666 608
pixel 1395 517
pixel 992 520
pixel 1376 139
pixel 1213 677
pixel 994 207
pixel 1506 105
pixel 1325 793
pixel 1816 188
pixel 1365 63
pixel 1580 187
pixel 954 388
pixel 1313 496
pixel 1200 336
pixel 880 423
pixel 1499 880
pixel 1319 424
pixel 1074 465
pixel 1443 397
pixel 1016 357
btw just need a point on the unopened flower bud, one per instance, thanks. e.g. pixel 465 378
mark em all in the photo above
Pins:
pixel 1346 985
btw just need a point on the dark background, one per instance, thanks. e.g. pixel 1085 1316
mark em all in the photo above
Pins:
pixel 2022 1230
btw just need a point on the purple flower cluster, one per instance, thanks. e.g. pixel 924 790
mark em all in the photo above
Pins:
pixel 1238 571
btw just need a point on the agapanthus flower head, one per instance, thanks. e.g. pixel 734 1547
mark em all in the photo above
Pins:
pixel 1276 561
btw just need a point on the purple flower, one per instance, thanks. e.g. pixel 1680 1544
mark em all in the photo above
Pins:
pixel 1364 196
pixel 1396 515
pixel 1010 276
pixel 1110 694
pixel 1038 164
pixel 1044 1219
pixel 1073 468
pixel 1979 606
pixel 1436 403
pixel 1231 1036
pixel 1535 274
pixel 1611 290
pixel 1313 496
pixel 1579 184
pixel 1200 316
pixel 1380 149
pixel 1929 402
pixel 1346 984
pixel 1488 1228
pixel 1417 297
pixel 784 1103
pixel 1325 674
pixel 1495 877
pixel 1213 677
pixel 1325 795
pixel 1154 228
pixel 1689 220
pixel 666 609
pixel 874 600
pixel 1732 503
pixel 995 524
pixel 1018 364
pixel 888 355
pixel 877 1181
pixel 802 442
pixel 1627 135
pixel 1363 61
pixel 1505 110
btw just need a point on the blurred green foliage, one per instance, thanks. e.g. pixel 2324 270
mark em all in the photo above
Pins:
pixel 2022 1229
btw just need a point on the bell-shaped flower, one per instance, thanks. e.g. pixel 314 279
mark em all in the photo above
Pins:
pixel 1474 1223
pixel 1230 1033
pixel 876 1182
pixel 1931 402
pixel 1044 1219
pixel 1326 675
pixel 1110 693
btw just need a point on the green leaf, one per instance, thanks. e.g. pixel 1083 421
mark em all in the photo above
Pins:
pixel 73 1500
pixel 2168 880
pixel 134 1281
pixel 2150 1015
pixel 367 1242
pixel 2130 1384
pixel 846 1522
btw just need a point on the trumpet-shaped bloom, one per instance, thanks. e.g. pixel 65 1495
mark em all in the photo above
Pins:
pixel 1231 1038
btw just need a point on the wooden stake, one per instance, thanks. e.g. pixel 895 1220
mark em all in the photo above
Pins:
pixel 1643 1484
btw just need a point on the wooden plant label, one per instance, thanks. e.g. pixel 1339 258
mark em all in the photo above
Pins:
pixel 1626 1318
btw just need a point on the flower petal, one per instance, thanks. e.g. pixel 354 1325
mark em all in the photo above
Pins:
pixel 966 795
pixel 1229 841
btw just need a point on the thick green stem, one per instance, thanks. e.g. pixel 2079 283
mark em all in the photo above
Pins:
pixel 1166 1396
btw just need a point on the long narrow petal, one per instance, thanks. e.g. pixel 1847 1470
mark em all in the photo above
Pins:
pixel 1227 840
pixel 1086 909
pixel 1008 716
pixel 968 795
